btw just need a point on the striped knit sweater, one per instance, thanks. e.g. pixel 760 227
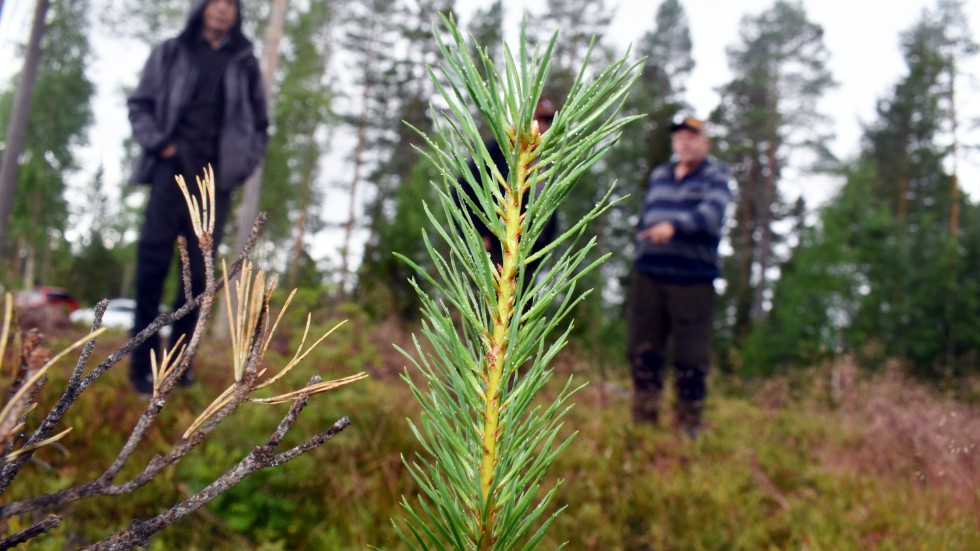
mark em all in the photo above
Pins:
pixel 696 206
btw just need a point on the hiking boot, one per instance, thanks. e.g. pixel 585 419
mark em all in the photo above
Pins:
pixel 692 432
pixel 646 406
pixel 687 417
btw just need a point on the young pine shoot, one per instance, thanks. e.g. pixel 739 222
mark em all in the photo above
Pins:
pixel 487 441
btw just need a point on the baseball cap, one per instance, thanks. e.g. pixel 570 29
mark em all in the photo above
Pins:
pixel 688 122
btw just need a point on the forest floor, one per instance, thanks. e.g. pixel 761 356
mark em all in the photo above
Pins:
pixel 832 457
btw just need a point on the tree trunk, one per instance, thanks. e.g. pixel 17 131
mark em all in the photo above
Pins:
pixel 29 263
pixel 359 147
pixel 765 225
pixel 270 60
pixel 35 274
pixel 954 191
pixel 902 208
pixel 298 245
pixel 309 171
pixel 249 207
pixel 17 129
pixel 17 258
pixel 954 229
pixel 129 273
pixel 745 250
pixel 768 197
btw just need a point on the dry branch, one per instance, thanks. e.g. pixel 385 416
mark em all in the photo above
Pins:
pixel 21 401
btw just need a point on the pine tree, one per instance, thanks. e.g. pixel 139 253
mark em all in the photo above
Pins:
pixel 369 41
pixel 880 275
pixel 301 122
pixel 909 146
pixel 487 442
pixel 407 92
pixel 769 115
pixel 59 115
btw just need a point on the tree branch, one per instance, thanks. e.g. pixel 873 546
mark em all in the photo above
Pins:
pixel 139 532
pixel 261 457
pixel 103 485
pixel 185 267
pixel 42 527
pixel 77 384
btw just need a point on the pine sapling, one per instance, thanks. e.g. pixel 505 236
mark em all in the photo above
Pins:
pixel 491 328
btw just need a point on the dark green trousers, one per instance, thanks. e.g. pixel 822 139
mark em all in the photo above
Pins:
pixel 661 314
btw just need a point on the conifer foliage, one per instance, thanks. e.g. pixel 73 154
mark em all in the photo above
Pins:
pixel 487 441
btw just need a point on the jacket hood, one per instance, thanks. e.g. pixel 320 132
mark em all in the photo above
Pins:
pixel 195 24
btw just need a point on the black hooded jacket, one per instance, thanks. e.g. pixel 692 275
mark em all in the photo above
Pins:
pixel 165 85
pixel 500 161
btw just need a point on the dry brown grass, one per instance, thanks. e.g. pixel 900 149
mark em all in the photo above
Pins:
pixel 384 336
pixel 904 430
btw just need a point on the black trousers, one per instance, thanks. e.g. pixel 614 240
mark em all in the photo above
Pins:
pixel 167 217
pixel 660 312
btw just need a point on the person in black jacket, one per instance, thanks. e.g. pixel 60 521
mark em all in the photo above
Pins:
pixel 544 114
pixel 199 101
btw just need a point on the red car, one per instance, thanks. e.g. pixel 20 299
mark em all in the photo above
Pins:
pixel 45 296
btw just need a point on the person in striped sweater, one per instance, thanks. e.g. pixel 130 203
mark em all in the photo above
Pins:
pixel 675 265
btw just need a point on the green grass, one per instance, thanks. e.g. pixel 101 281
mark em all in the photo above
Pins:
pixel 780 466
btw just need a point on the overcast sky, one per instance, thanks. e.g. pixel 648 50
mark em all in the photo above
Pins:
pixel 862 36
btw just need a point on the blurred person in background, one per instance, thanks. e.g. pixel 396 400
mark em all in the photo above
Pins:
pixel 675 265
pixel 544 115
pixel 199 101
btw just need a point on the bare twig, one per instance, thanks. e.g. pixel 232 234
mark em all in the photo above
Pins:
pixel 262 457
pixel 28 534
pixel 103 485
pixel 29 348
pixel 138 533
pixel 185 267
pixel 72 390
pixel 254 342
pixel 29 380
pixel 77 386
